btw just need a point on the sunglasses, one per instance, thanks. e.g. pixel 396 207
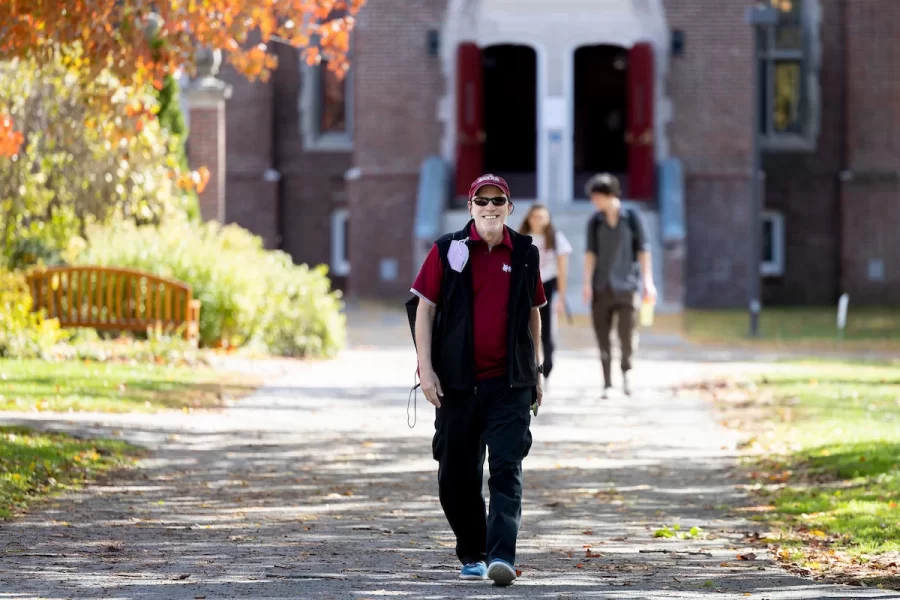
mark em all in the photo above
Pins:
pixel 498 201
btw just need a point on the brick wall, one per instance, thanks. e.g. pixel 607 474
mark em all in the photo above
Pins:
pixel 253 204
pixel 397 86
pixel 717 249
pixel 871 219
pixel 312 184
pixel 874 88
pixel 250 201
pixel 871 203
pixel 808 202
pixel 382 231
pixel 711 132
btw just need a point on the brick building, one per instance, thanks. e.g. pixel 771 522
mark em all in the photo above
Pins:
pixel 546 93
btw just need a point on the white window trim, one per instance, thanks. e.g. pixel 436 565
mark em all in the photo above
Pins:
pixel 340 264
pixel 313 139
pixel 774 267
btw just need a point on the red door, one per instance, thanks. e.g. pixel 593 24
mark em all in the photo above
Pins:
pixel 469 117
pixel 639 136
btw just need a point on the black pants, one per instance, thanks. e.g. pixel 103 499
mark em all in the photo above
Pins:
pixel 622 305
pixel 547 325
pixel 496 417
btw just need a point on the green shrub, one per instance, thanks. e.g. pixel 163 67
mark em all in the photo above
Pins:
pixel 23 334
pixel 250 296
pixel 302 315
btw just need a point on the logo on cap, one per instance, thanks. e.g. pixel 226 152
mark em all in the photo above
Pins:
pixel 489 179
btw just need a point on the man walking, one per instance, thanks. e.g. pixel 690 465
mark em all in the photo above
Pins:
pixel 618 255
pixel 477 331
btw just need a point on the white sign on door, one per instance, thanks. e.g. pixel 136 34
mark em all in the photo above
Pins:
pixel 554 112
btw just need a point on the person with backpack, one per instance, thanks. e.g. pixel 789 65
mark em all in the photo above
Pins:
pixel 476 324
pixel 617 262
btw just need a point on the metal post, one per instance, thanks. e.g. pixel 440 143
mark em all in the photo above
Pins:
pixel 761 16
pixel 753 289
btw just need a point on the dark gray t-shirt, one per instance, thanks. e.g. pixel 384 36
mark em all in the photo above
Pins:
pixel 616 249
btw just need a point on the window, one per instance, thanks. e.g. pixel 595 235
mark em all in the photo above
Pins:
pixel 326 106
pixel 332 105
pixel 789 76
pixel 340 242
pixel 772 264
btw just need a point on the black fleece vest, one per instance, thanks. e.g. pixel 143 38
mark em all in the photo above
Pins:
pixel 452 349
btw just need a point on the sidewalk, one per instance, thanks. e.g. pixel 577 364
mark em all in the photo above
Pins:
pixel 316 488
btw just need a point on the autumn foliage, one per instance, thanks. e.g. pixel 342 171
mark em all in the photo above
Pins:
pixel 141 41
pixel 10 139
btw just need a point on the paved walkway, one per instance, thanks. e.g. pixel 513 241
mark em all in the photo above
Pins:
pixel 317 488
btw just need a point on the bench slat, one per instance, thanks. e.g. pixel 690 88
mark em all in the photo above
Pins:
pixel 70 287
pixel 97 308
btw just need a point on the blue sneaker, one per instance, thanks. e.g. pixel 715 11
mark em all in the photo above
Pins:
pixel 501 572
pixel 474 571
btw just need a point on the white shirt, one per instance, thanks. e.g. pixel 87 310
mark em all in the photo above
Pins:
pixel 549 268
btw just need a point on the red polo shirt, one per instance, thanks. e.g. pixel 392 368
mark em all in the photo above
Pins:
pixel 490 280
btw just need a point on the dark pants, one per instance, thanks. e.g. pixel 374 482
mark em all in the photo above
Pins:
pixel 604 306
pixel 547 325
pixel 496 417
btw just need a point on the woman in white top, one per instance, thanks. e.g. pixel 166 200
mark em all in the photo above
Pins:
pixel 554 250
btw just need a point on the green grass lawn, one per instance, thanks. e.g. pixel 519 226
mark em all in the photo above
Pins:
pixel 35 464
pixel 795 325
pixel 829 461
pixel 807 328
pixel 27 385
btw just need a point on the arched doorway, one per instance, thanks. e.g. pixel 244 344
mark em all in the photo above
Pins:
pixel 600 106
pixel 510 116
pixel 497 116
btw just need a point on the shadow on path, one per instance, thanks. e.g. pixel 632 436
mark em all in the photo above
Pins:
pixel 316 488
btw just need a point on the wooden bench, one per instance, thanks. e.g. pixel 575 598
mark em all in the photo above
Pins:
pixel 114 299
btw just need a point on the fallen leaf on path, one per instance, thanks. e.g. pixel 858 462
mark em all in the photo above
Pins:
pixel 817 533
pixel 748 556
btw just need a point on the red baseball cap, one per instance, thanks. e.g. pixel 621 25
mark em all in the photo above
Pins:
pixel 489 180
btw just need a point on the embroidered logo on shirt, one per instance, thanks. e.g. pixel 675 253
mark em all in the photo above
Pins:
pixel 507 268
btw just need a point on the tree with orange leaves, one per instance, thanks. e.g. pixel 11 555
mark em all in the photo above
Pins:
pixel 141 41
